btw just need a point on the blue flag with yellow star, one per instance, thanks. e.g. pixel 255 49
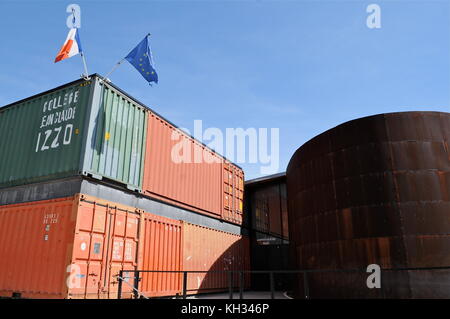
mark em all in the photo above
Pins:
pixel 141 58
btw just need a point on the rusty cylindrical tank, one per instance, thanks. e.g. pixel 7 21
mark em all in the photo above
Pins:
pixel 374 190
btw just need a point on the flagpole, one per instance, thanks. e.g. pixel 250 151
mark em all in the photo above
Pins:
pixel 113 69
pixel 86 74
pixel 83 58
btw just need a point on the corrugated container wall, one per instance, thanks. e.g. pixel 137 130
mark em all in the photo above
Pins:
pixel 161 250
pixel 233 193
pixel 180 170
pixel 95 129
pixel 106 241
pixel 41 138
pixel 74 247
pixel 66 248
pixel 34 256
pixel 206 249
pixel 115 145
pixel 85 127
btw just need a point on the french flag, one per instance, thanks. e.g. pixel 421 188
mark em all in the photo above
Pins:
pixel 71 47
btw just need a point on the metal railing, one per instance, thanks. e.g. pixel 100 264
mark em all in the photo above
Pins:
pixel 231 274
pixel 137 278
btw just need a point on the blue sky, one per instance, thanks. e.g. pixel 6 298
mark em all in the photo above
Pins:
pixel 301 66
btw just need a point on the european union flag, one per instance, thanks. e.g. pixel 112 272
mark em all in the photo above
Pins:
pixel 141 58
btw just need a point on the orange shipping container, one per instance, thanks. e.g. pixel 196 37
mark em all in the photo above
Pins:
pixel 180 170
pixel 161 250
pixel 75 247
pixel 233 185
pixel 206 249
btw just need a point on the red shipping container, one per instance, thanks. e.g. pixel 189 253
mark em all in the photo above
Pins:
pixel 161 250
pixel 206 249
pixel 75 247
pixel 181 171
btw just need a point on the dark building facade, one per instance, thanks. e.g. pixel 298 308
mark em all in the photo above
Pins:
pixel 266 210
pixel 266 205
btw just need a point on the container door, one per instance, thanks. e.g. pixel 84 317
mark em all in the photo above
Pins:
pixel 88 250
pixel 227 191
pixel 123 250
pixel 105 242
pixel 35 241
pixel 115 145
pixel 233 192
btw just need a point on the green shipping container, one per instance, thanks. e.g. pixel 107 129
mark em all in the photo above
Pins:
pixel 86 127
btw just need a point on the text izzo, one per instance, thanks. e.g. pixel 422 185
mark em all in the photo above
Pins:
pixel 53 138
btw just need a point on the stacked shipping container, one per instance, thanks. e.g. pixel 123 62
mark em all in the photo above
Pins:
pixel 93 128
pixel 196 183
pixel 219 251
pixel 74 247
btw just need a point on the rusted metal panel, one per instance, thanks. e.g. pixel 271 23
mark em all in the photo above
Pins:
pixel 373 190
pixel 284 211
pixel 426 218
